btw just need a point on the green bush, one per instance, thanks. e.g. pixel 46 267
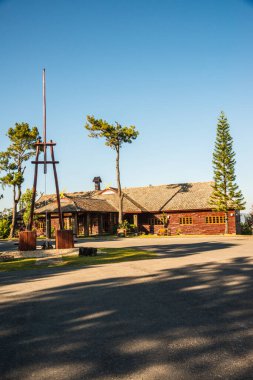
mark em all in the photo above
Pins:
pixel 246 228
pixel 128 227
pixel 5 226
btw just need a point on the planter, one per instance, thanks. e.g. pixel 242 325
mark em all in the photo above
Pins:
pixel 64 239
pixel 27 241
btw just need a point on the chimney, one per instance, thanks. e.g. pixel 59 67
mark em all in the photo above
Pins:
pixel 97 181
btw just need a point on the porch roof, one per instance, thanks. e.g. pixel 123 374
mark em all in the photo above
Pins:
pixel 72 203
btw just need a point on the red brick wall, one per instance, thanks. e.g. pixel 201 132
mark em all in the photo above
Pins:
pixel 199 226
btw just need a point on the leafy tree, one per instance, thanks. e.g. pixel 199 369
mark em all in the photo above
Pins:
pixel 5 223
pixel 246 226
pixel 21 149
pixel 6 213
pixel 25 204
pixel 226 194
pixel 115 136
pixel 4 228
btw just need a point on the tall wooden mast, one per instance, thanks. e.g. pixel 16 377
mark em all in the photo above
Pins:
pixel 42 147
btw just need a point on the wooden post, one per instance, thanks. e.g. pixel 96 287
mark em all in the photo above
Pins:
pixel 30 224
pixel 100 224
pixel 85 225
pixel 48 225
pixel 88 224
pixel 136 220
pixel 57 187
pixel 75 224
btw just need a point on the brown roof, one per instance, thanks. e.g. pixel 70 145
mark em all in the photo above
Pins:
pixel 183 196
pixel 73 202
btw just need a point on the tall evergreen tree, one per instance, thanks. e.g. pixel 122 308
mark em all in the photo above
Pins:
pixel 226 194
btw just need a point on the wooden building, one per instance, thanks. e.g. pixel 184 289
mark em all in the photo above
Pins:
pixel 185 207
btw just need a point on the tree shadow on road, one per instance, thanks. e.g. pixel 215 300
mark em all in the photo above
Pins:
pixel 180 250
pixel 191 322
pixel 163 251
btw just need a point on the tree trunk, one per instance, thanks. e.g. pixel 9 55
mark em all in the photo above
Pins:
pixel 14 211
pixel 14 214
pixel 119 187
pixel 226 222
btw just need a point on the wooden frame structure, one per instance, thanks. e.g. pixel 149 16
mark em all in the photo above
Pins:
pixel 42 146
pixel 64 238
pixel 45 162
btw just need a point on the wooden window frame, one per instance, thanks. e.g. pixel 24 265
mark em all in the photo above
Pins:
pixel 155 221
pixel 214 219
pixel 185 220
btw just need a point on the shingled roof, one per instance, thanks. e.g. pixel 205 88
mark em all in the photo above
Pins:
pixel 183 196
pixel 173 197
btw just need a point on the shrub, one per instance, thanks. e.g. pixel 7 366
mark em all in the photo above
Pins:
pixel 125 225
pixel 246 226
pixel 162 232
pixel 5 226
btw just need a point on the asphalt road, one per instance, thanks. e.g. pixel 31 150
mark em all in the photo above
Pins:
pixel 186 315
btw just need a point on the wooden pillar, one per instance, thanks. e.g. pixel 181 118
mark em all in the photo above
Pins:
pixel 75 224
pixel 136 220
pixel 87 224
pixel 100 224
pixel 48 226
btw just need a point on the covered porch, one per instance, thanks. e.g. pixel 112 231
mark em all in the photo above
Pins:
pixel 82 223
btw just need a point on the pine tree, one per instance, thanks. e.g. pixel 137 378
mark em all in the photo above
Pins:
pixel 115 136
pixel 226 194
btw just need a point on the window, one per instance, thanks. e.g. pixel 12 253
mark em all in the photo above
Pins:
pixel 154 222
pixel 215 219
pixel 185 220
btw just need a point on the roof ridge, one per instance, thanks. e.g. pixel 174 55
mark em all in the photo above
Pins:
pixel 168 184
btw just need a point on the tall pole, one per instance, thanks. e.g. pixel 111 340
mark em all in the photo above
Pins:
pixel 30 224
pixel 44 121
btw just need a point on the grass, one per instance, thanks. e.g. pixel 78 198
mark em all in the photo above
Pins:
pixel 108 255
pixel 17 264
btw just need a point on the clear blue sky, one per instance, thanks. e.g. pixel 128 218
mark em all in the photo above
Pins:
pixel 167 66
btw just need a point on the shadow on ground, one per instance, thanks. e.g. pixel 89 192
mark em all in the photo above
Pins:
pixel 192 322
pixel 163 251
pixel 180 250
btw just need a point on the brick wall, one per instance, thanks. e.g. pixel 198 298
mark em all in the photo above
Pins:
pixel 198 226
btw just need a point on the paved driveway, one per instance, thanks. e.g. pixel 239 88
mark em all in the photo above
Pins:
pixel 186 315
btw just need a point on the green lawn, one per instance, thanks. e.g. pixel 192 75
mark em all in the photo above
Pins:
pixel 17 264
pixel 108 255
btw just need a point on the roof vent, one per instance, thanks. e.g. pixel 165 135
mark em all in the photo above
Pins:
pixel 97 181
